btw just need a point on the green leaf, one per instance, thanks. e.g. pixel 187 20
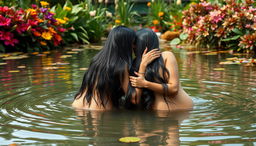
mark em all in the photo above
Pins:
pixel 175 41
pixel 74 36
pixel 231 39
pixel 183 36
pixel 237 31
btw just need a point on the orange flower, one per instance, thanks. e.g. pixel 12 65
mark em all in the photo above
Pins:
pixel 43 43
pixel 32 11
pixel 149 4
pixel 51 30
pixel 66 18
pixel 155 22
pixel 44 3
pixel 160 14
pixel 40 20
pixel 36 33
pixel 58 37
pixel 118 21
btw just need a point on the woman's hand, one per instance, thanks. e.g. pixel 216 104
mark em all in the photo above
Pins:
pixel 147 58
pixel 138 82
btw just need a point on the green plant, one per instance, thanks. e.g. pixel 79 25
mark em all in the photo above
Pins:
pixel 124 14
pixel 158 15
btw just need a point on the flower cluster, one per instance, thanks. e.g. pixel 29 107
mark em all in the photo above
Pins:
pixel 158 15
pixel 36 26
pixel 233 23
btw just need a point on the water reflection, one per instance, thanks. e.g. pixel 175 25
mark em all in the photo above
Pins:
pixel 153 128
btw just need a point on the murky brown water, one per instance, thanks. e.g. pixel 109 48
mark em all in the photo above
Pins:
pixel 35 104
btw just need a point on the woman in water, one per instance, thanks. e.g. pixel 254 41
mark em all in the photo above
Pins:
pixel 104 82
pixel 156 84
pixel 107 77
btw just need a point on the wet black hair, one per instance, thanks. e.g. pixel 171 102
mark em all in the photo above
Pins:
pixel 105 73
pixel 155 71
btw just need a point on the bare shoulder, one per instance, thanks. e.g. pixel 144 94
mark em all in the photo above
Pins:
pixel 168 56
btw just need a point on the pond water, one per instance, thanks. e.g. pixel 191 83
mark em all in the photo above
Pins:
pixel 35 104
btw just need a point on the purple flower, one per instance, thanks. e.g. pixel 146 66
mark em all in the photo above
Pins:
pixel 43 10
pixel 48 16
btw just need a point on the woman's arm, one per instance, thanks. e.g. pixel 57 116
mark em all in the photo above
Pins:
pixel 173 83
pixel 147 58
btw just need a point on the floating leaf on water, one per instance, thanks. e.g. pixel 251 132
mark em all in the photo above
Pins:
pixel 65 56
pixel 13 71
pixel 50 68
pixel 3 63
pixel 211 53
pixel 83 68
pixel 219 69
pixel 78 50
pixel 129 139
pixel 46 52
pixel 70 52
pixel 175 41
pixel 15 57
pixel 22 66
pixel 229 62
pixel 232 59
pixel 34 53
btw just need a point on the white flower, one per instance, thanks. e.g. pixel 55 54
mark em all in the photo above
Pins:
pixel 92 13
pixel 100 1
pixel 108 14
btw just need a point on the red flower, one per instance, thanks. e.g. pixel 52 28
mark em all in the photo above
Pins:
pixel 60 29
pixel 11 42
pixel 22 28
pixel 4 9
pixel 4 21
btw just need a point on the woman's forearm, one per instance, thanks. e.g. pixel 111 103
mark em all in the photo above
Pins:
pixel 158 88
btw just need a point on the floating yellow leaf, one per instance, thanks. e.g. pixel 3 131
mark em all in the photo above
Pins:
pixel 47 52
pixel 35 53
pixel 211 53
pixel 71 52
pixel 129 139
pixel 219 69
pixel 13 71
pixel 15 57
pixel 83 68
pixel 3 63
pixel 77 50
pixel 65 56
pixel 232 59
pixel 22 66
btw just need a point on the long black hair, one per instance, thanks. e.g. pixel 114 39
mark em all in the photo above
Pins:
pixel 105 74
pixel 155 71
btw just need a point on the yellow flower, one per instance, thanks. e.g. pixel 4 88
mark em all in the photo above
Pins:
pixel 61 21
pixel 118 21
pixel 43 43
pixel 51 30
pixel 155 22
pixel 67 8
pixel 160 14
pixel 66 18
pixel 149 4
pixel 44 3
pixel 32 11
pixel 47 35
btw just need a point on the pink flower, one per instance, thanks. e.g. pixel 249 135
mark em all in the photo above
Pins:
pixel 11 42
pixel 215 16
pixel 22 28
pixel 4 21
pixel 60 29
pixel 4 9
pixel 247 26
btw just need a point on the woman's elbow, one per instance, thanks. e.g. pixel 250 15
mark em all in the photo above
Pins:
pixel 173 91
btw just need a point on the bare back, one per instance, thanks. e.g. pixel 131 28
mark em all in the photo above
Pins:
pixel 181 100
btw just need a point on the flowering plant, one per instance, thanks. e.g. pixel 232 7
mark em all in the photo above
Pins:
pixel 29 29
pixel 158 16
pixel 231 25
